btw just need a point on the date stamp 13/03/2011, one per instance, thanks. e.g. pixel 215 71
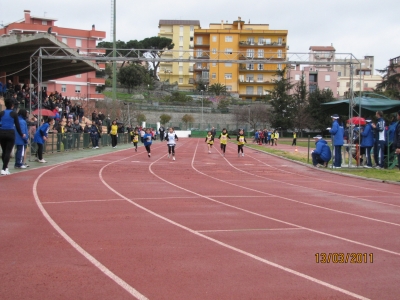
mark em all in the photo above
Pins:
pixel 344 258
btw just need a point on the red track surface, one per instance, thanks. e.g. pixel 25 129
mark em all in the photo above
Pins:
pixel 121 225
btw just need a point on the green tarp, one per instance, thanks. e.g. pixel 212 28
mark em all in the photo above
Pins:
pixel 368 105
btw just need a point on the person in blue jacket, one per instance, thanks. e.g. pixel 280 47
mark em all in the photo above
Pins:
pixel 21 143
pixel 8 124
pixel 94 135
pixel 337 133
pixel 147 139
pixel 41 137
pixel 367 141
pixel 322 153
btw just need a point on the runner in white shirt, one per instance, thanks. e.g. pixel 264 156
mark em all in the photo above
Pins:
pixel 171 139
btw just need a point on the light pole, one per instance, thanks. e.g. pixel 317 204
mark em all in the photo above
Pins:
pixel 249 116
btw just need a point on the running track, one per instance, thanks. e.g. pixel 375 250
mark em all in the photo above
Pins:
pixel 125 226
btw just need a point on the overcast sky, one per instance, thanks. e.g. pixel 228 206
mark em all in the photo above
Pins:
pixel 361 27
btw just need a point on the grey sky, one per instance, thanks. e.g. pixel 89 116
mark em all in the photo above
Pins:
pixel 361 27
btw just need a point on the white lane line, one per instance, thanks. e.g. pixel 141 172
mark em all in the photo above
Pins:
pixel 312 279
pixel 244 230
pixel 324 180
pixel 82 201
pixel 76 246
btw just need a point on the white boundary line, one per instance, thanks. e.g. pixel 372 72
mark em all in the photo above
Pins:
pixel 312 279
pixel 243 230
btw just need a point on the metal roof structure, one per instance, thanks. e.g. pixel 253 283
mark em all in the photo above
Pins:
pixel 16 51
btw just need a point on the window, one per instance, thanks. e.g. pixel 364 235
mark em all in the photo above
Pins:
pixel 250 53
pixel 205 75
pixel 228 75
pixel 327 77
pixel 279 66
pixel 44 22
pixel 261 41
pixel 279 53
pixel 199 40
pixel 214 38
pixel 63 88
pixel 191 39
pixel 279 41
pixel 229 88
pixel 180 80
pixel 214 64
pixel 267 41
pixel 228 50
pixel 181 29
pixel 250 40
pixel 213 75
pixel 326 88
pixel 260 66
pixel 198 65
pixel 228 38
pixel 78 75
pixel 180 69
pixel 259 90
pixel 191 28
pixel 249 78
pixel 339 74
pixel 78 43
pixel 260 53
pixel 181 38
pixel 260 78
pixel 214 51
pixel 228 65
pixel 297 77
pixel 64 40
pixel 249 90
pixel 250 66
pixel 77 89
pixel 199 52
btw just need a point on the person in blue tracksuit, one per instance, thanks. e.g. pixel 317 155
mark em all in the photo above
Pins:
pixel 322 153
pixel 41 137
pixel 148 139
pixel 8 124
pixel 94 135
pixel 337 133
pixel 21 143
pixel 367 141
pixel 380 140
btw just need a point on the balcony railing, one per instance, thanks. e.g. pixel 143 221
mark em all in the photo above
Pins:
pixel 260 44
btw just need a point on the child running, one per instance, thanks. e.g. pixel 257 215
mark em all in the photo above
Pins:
pixel 209 141
pixel 171 139
pixel 223 137
pixel 135 138
pixel 147 140
pixel 241 141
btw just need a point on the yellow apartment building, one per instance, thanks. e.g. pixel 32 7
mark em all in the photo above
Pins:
pixel 252 44
pixel 182 34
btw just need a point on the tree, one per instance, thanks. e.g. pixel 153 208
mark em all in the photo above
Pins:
pixel 201 86
pixel 301 117
pixel 223 104
pixel 133 75
pixel 187 119
pixel 282 102
pixel 164 118
pixel 217 88
pixel 390 85
pixel 140 117
pixel 256 115
pixel 178 98
pixel 320 119
pixel 158 46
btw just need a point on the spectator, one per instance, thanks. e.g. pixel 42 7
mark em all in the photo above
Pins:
pixel 396 139
pixel 161 130
pixel 94 135
pixel 367 141
pixel 77 132
pixel 337 132
pixel 294 138
pixel 86 135
pixel 21 143
pixel 322 153
pixel 380 138
pixel 213 132
pixel 41 137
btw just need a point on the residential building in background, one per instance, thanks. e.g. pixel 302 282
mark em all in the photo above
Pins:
pixel 322 75
pixel 182 34
pixel 81 86
pixel 234 41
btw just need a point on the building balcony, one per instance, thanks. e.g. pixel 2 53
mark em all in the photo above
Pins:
pixel 255 82
pixel 97 81
pixel 245 56
pixel 201 45
pixel 200 69
pixel 203 56
pixel 262 44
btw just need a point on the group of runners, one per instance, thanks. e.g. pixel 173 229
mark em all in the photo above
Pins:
pixel 224 137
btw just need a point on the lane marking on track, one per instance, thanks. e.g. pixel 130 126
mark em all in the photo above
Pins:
pixel 312 279
pixel 75 245
pixel 135 161
pixel 82 201
pixel 329 181
pixel 244 230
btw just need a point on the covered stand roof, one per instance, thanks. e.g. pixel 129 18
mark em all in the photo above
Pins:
pixel 17 49
pixel 368 105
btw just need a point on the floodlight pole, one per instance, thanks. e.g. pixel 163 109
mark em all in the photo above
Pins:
pixel 114 69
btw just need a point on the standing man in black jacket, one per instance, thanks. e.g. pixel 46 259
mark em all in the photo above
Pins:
pixel 396 140
pixel 161 130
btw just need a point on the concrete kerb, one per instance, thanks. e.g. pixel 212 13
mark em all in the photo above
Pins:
pixel 327 169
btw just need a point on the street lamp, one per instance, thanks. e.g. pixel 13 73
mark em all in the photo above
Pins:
pixel 249 116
